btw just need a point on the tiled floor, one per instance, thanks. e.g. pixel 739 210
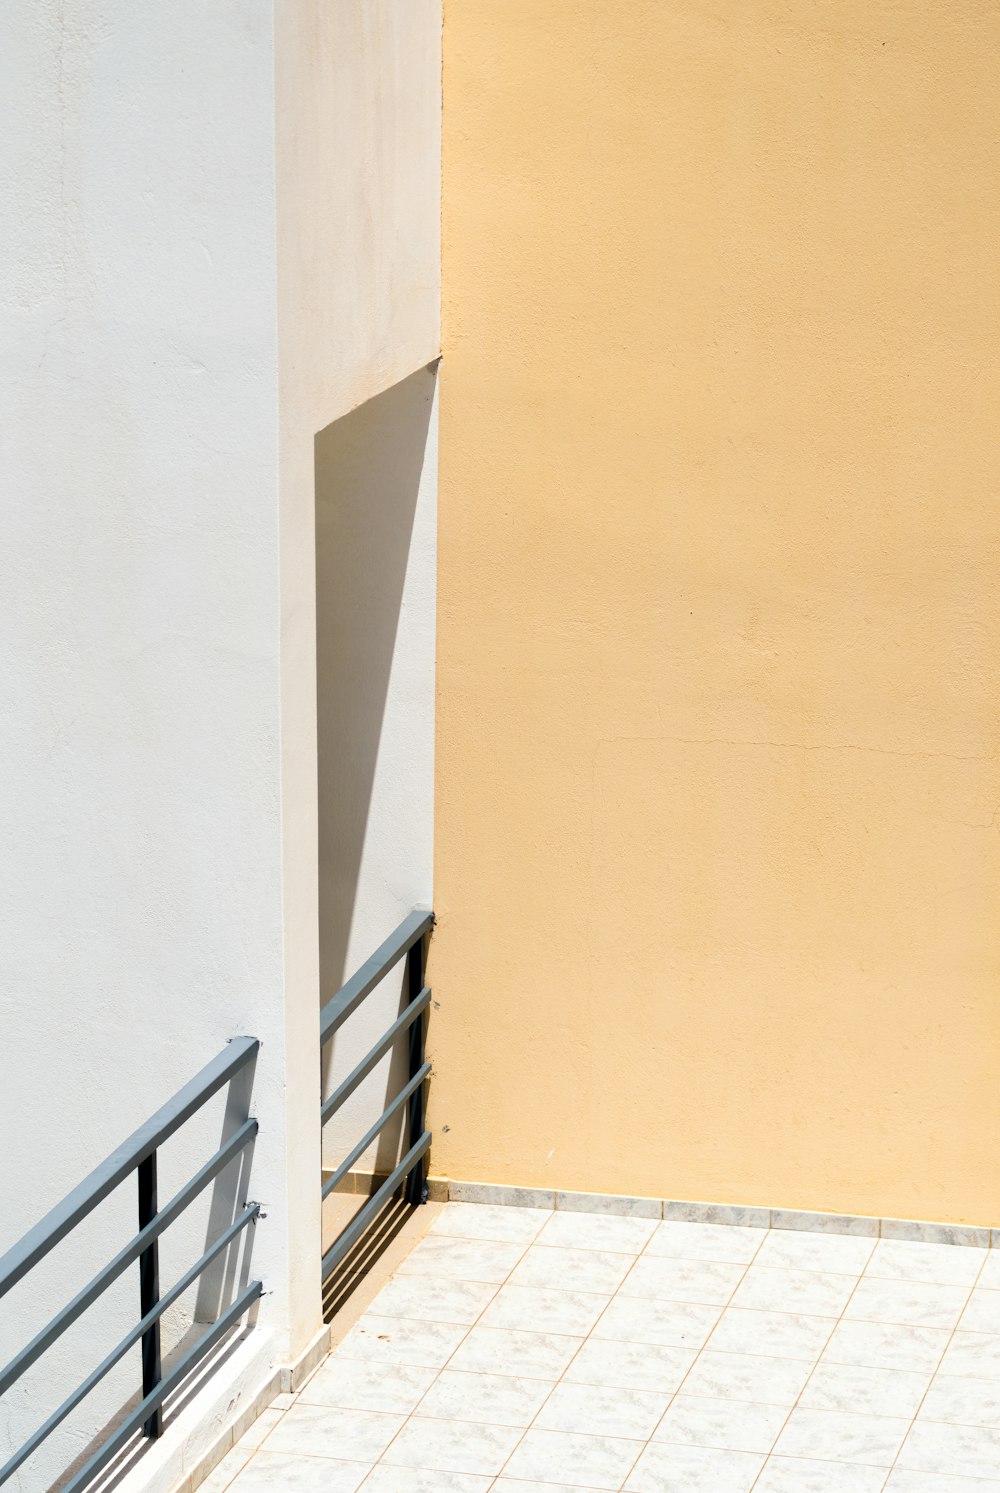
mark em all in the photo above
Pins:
pixel 521 1350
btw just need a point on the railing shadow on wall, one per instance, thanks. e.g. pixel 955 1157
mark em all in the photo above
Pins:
pixel 225 1296
pixel 392 1197
pixel 375 503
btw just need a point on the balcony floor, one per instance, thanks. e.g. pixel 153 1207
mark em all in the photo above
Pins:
pixel 515 1349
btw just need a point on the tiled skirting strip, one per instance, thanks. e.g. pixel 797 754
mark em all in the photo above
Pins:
pixel 725 1213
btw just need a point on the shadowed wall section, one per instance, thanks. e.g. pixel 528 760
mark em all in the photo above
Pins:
pixel 376 474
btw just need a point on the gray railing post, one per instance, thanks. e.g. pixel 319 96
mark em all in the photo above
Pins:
pixel 416 1183
pixel 149 1292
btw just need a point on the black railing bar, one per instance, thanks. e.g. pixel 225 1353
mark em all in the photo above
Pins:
pixel 372 1059
pixel 127 1342
pixel 166 1385
pixel 384 1118
pixel 131 1252
pixel 105 1178
pixel 347 1240
pixel 340 1006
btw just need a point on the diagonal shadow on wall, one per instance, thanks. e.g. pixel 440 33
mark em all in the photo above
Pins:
pixel 373 679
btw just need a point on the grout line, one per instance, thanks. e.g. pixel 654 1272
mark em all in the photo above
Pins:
pixel 496 1291
pixel 936 1370
pixel 586 1338
pixel 644 1252
pixel 704 1347
pixel 798 1398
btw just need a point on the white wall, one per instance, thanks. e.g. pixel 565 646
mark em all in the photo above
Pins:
pixel 196 276
pixel 139 668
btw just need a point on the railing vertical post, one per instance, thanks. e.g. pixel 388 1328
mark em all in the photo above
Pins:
pixel 149 1291
pixel 416 1183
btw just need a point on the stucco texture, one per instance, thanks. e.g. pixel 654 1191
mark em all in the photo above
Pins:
pixel 717 789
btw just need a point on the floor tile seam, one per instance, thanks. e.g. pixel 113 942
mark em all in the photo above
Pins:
pixel 261 1444
pixel 701 1259
pixel 813 1409
pixel 586 1338
pixel 496 1291
pixel 826 1461
pixel 311 1457
pixel 905 1280
pixel 584 1249
pixel 594 1436
pixel 934 1374
pixel 814 1270
pixel 796 1403
pixel 704 1346
pixel 242 1468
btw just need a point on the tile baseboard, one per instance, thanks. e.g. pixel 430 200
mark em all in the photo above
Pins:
pixel 365 1184
pixel 914 1230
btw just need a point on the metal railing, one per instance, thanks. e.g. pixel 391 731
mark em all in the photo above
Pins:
pixel 409 940
pixel 137 1154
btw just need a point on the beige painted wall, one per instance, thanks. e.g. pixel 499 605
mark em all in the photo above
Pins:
pixel 717 813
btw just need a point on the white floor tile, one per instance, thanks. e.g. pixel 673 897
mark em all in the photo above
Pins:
pixel 672 1390
pixel 812 1292
pixel 745 1376
pixel 834 1436
pixel 261 1428
pixel 452 1446
pixel 693 1469
pixel 596 1410
pixel 905 1302
pixel 490 1399
pixel 965 1402
pixel 395 1340
pixel 864 1391
pixel 881 1345
pixel 515 1485
pixel 707 1241
pixel 321 1431
pixel 796 1475
pixel 530 1309
pixel 385 1479
pixel 270 1472
pixel 731 1425
pixel 485 1260
pixel 982 1314
pixel 678 1324
pixel 943 1264
pixel 630 1365
pixel 350 1385
pixel 485 1221
pixel 222 1474
pixel 588 1269
pixel 793 1249
pixel 424 1298
pixel 933 1446
pixel 602 1231
pixel 901 1481
pixel 771 1334
pixel 975 1354
pixel 658 1277
pixel 555 1456
pixel 530 1355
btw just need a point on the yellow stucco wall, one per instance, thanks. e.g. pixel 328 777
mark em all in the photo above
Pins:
pixel 717 795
